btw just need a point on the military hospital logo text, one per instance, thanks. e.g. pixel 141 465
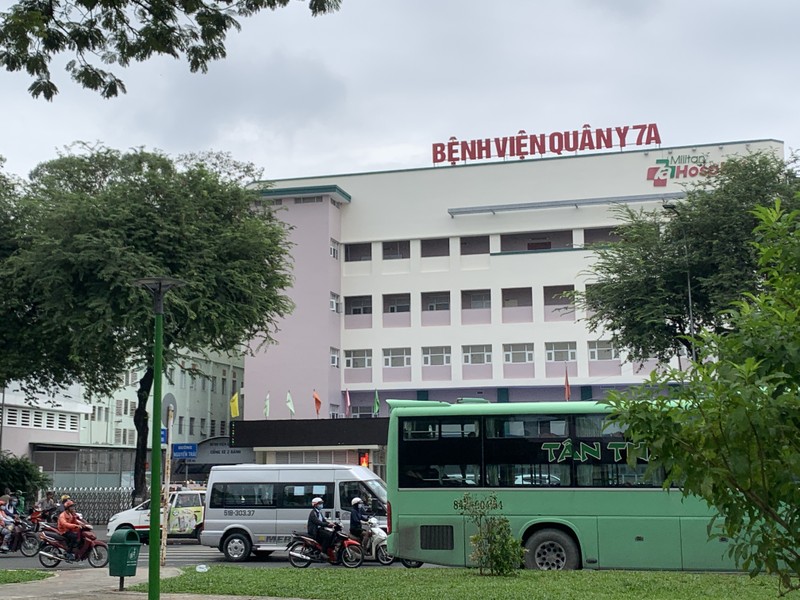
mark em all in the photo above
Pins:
pixel 683 166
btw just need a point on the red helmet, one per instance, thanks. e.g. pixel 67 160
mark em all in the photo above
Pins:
pixel 69 503
pixel 2 502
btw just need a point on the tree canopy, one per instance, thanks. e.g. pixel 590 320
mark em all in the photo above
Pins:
pixel 96 33
pixel 729 431
pixel 87 225
pixel 639 293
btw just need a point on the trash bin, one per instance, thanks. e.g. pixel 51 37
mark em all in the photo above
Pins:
pixel 123 554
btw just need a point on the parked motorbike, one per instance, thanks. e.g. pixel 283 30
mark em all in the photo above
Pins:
pixel 375 543
pixel 54 549
pixel 303 550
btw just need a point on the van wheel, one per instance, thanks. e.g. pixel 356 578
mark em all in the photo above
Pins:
pixel 236 547
pixel 551 550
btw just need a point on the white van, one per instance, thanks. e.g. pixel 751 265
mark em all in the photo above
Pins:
pixel 255 508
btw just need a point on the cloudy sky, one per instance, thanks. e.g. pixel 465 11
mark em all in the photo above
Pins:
pixel 373 86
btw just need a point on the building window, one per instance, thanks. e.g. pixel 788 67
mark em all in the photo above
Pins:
pixel 436 355
pixel 180 425
pixel 191 425
pixel 222 427
pixel 517 353
pixel 602 350
pixel 203 382
pixel 334 249
pixel 397 357
pixel 333 303
pixel 560 351
pixel 333 411
pixel 224 386
pixel 435 247
pixel 357 252
pixel 213 431
pixel 475 245
pixel 357 359
pixel 476 299
pixel 480 354
pixel 358 305
pixel 183 378
pixel 396 250
pixel 395 303
pixel 335 358
pixel 203 431
pixel 435 301
pixel 214 384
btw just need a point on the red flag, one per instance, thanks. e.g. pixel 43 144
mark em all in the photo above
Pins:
pixel 567 391
pixel 317 402
pixel 346 403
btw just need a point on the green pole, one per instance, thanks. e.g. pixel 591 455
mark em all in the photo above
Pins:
pixel 158 286
pixel 154 575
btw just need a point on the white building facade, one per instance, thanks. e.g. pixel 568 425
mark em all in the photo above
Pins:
pixel 446 282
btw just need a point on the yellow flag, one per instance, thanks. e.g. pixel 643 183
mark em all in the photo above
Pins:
pixel 235 405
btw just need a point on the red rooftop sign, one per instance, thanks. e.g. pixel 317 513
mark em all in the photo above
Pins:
pixel 558 142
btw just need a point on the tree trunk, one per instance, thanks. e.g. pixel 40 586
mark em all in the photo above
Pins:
pixel 141 420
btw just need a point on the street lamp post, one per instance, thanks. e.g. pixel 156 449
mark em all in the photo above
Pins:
pixel 672 207
pixel 157 286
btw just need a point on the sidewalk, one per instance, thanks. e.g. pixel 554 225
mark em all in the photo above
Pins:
pixel 96 584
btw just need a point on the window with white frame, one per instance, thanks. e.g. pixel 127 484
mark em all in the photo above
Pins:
pixel 334 249
pixel 358 305
pixel 357 359
pixel 517 353
pixel 333 411
pixel 397 357
pixel 334 357
pixel 476 299
pixel 479 354
pixel 333 304
pixel 436 355
pixel 602 350
pixel 183 378
pixel 435 301
pixel 395 303
pixel 560 351
pixel 361 412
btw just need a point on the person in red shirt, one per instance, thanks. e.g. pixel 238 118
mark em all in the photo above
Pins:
pixel 69 526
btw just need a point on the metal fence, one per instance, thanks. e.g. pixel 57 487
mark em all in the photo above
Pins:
pixel 97 504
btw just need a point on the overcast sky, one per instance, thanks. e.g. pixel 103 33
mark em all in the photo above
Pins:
pixel 373 86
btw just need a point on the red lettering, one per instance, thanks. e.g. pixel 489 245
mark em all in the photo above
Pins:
pixel 438 153
pixel 537 143
pixel 500 144
pixel 603 138
pixel 622 133
pixel 681 171
pixel 693 171
pixel 484 148
pixel 639 137
pixel 653 137
pixel 452 151
pixel 468 150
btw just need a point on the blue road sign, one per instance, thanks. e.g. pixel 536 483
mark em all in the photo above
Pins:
pixel 163 435
pixel 184 450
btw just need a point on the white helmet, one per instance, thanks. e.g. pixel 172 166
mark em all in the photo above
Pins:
pixel 356 501
pixel 316 501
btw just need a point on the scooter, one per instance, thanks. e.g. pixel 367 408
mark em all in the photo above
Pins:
pixel 303 550
pixel 375 543
pixel 54 549
pixel 22 538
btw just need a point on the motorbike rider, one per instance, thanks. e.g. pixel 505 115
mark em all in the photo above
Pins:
pixel 358 518
pixel 6 526
pixel 69 525
pixel 320 528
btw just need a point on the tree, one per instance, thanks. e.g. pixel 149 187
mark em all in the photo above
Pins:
pixel 495 549
pixel 640 293
pixel 21 475
pixel 102 32
pixel 90 224
pixel 729 431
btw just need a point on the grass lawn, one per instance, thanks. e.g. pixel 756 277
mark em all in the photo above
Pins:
pixel 338 583
pixel 21 576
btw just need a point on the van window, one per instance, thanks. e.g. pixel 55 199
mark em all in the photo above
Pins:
pixel 188 500
pixel 247 495
pixel 300 495
pixel 373 499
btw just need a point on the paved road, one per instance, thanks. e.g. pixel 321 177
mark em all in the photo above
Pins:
pixel 179 554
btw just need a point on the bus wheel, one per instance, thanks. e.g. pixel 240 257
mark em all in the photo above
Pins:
pixel 551 550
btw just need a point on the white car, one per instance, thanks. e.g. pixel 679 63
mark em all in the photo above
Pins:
pixel 184 516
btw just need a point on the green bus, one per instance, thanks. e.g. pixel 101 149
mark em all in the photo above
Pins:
pixel 560 473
